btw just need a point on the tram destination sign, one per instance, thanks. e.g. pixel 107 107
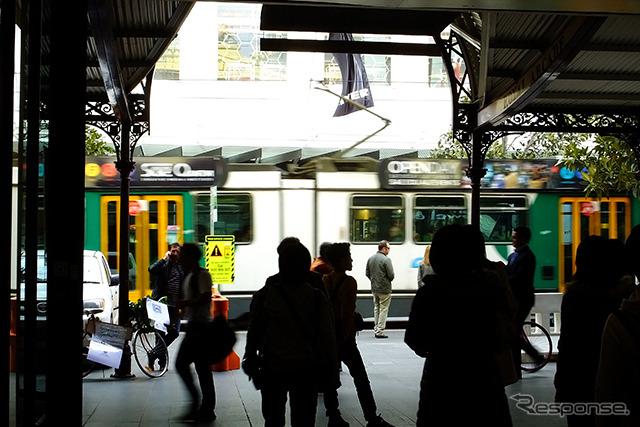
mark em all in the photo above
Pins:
pixel 420 173
pixel 158 172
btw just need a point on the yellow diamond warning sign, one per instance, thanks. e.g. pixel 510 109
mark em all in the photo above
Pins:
pixel 220 258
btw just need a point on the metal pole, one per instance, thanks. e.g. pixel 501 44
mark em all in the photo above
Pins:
pixel 7 43
pixel 29 413
pixel 64 180
pixel 476 173
pixel 125 166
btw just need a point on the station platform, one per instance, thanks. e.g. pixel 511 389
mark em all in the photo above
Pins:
pixel 394 371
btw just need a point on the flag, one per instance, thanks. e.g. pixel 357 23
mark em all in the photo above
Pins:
pixel 355 85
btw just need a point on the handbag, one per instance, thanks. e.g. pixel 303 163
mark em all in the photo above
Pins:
pixel 253 366
pixel 358 322
pixel 220 339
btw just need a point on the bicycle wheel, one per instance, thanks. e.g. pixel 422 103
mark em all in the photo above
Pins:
pixel 151 353
pixel 87 365
pixel 537 347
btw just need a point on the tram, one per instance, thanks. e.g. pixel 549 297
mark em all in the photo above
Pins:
pixel 355 200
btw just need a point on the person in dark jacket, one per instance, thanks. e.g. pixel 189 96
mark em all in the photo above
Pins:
pixel 290 340
pixel 596 290
pixel 521 268
pixel 342 290
pixel 440 329
pixel 169 275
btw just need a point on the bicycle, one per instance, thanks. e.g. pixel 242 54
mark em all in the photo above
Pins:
pixel 147 344
pixel 535 339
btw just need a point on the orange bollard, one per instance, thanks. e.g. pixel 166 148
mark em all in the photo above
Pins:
pixel 220 306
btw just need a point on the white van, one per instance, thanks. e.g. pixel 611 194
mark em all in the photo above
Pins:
pixel 100 292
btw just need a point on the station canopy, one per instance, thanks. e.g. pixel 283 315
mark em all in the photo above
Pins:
pixel 552 65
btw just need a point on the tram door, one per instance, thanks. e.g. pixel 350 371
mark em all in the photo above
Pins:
pixel 581 217
pixel 154 222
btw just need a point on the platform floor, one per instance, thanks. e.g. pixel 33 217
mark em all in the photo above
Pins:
pixel 394 371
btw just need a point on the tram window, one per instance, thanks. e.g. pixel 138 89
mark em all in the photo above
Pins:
pixel 375 218
pixel 430 213
pixel 112 228
pixel 621 212
pixel 500 215
pixel 605 221
pixel 234 216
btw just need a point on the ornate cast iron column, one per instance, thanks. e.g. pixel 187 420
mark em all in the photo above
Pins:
pixel 465 113
pixel 125 136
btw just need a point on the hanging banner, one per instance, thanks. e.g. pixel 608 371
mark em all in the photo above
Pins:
pixel 355 84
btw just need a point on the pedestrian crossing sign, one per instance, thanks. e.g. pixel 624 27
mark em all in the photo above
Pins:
pixel 220 258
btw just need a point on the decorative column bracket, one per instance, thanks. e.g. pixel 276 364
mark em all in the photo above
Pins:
pixel 101 115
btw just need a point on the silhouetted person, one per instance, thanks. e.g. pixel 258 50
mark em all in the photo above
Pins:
pixel 342 290
pixel 196 307
pixel 424 266
pixel 314 278
pixel 440 330
pixel 618 378
pixel 320 264
pixel 380 272
pixel 595 291
pixel 291 334
pixel 521 268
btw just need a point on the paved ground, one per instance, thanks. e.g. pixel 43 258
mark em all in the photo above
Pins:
pixel 393 369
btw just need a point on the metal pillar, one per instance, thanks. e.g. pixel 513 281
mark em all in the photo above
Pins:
pixel 7 43
pixel 125 166
pixel 29 362
pixel 476 172
pixel 64 207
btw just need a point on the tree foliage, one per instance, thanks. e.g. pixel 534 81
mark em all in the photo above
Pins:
pixel 94 144
pixel 608 164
